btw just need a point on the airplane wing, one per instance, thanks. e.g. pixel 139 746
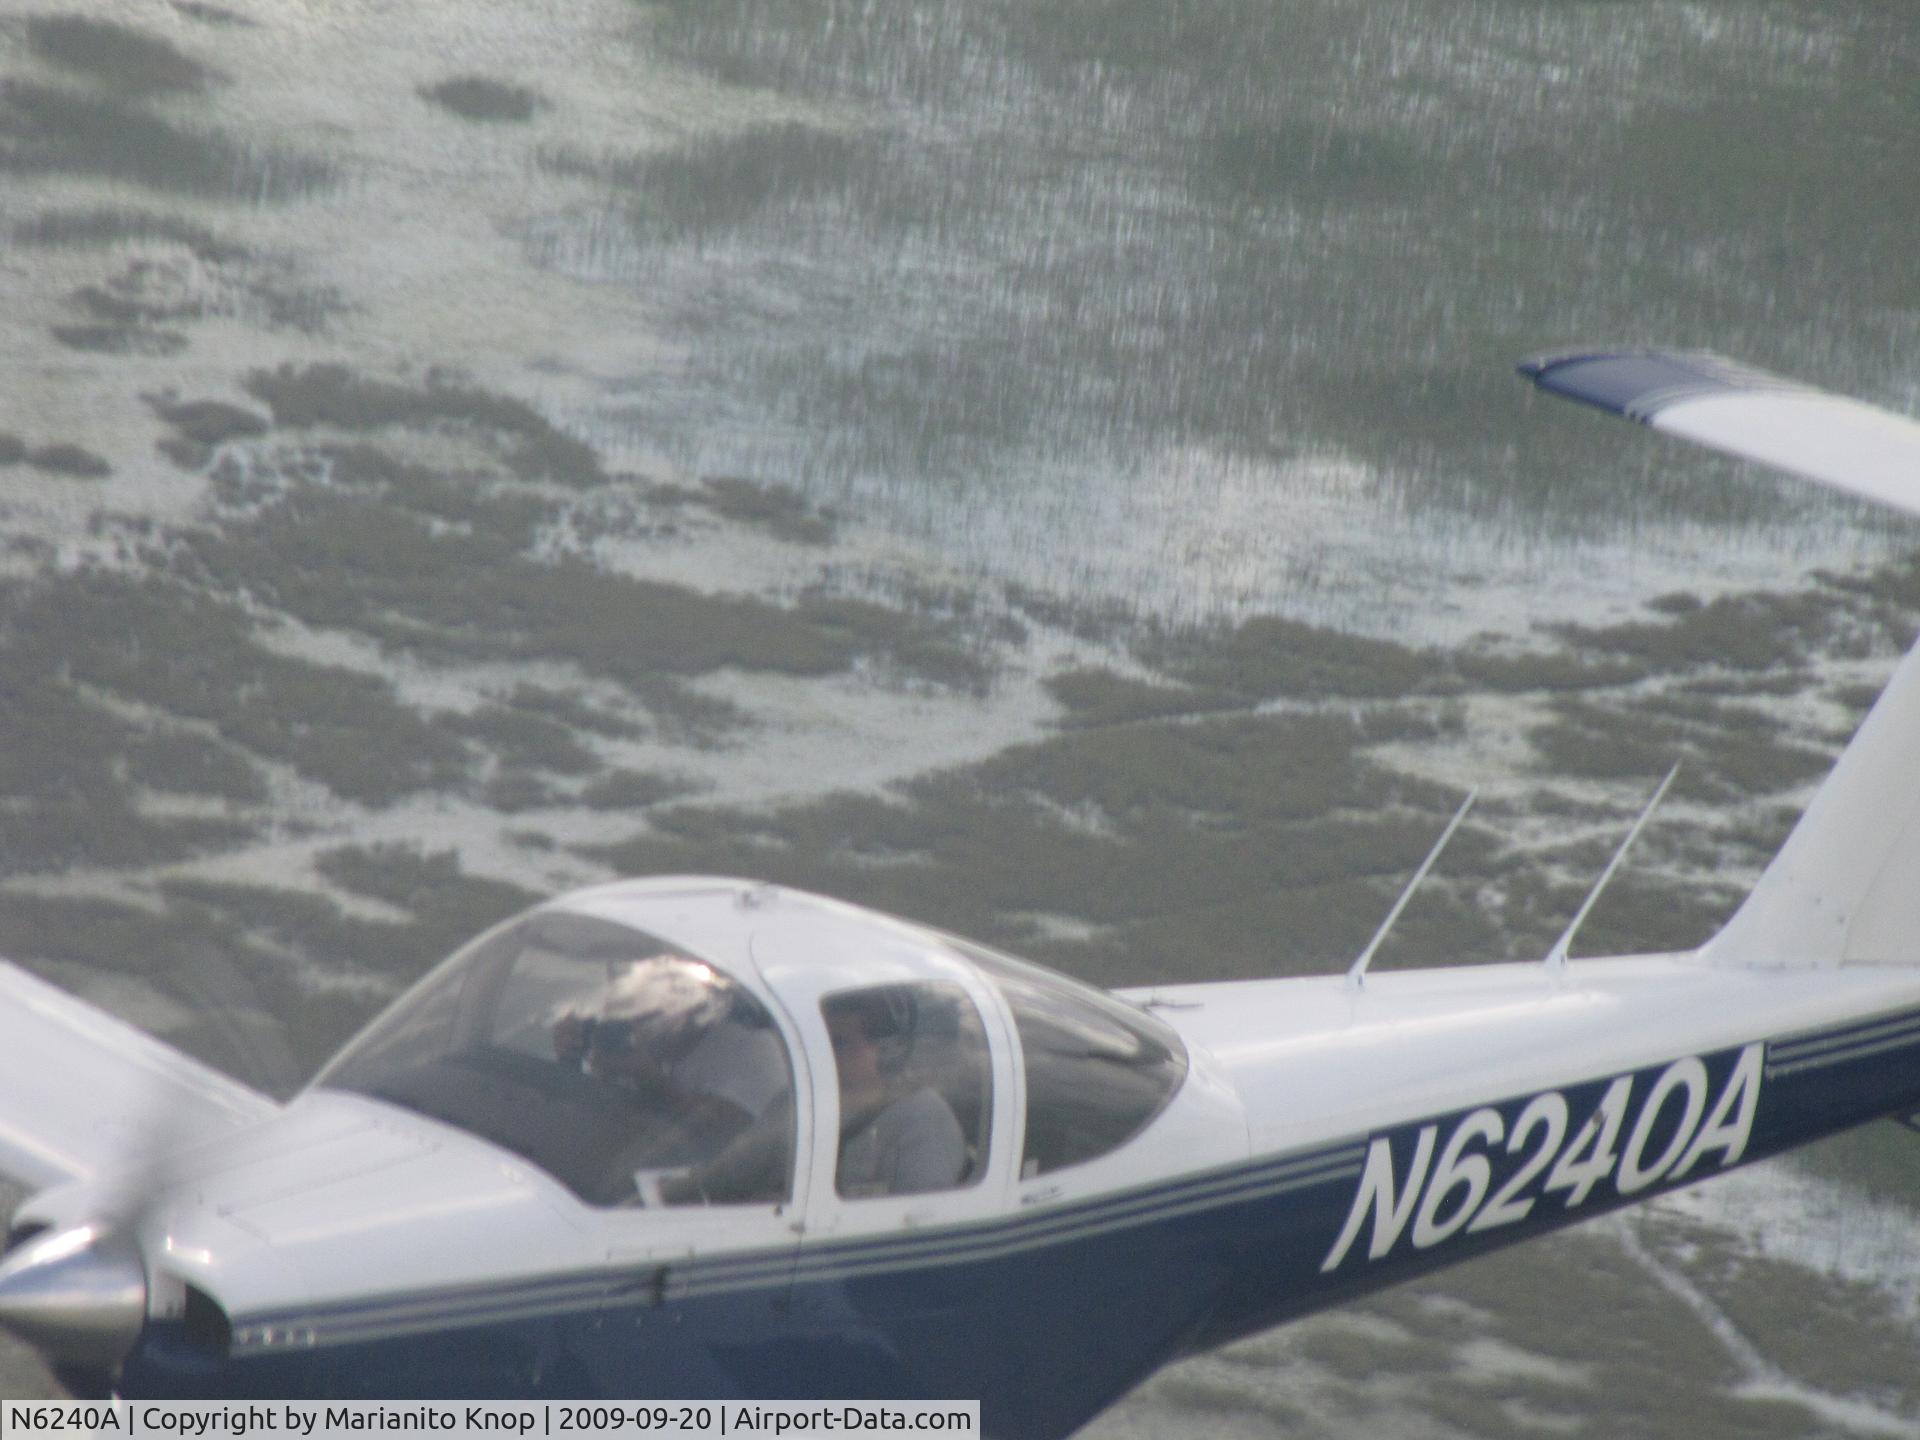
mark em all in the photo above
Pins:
pixel 1842 890
pixel 1746 412
pixel 82 1092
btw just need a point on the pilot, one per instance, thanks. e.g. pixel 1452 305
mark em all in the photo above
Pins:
pixel 670 1024
pixel 698 1091
pixel 629 1051
pixel 898 1136
pixel 661 1113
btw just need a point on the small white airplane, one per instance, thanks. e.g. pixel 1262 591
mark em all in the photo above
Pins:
pixel 697 1137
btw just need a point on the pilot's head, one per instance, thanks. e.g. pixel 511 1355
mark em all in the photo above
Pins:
pixel 621 1050
pixel 648 1019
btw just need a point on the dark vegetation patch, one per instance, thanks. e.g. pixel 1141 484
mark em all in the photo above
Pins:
pixel 1241 769
pixel 1789 680
pixel 210 14
pixel 1268 657
pixel 165 646
pixel 1103 623
pixel 513 792
pixel 1896 584
pixel 129 61
pixel 571 711
pixel 449 905
pixel 1741 632
pixel 1358 1356
pixel 719 184
pixel 684 715
pixel 242 957
pixel 475 97
pixel 204 424
pixel 340 560
pixel 102 226
pixel 1726 753
pixel 914 644
pixel 1676 602
pixel 1660 1366
pixel 66 763
pixel 1544 670
pixel 1241 845
pixel 779 509
pixel 64 458
pixel 1876 1161
pixel 302 396
pixel 1848 1332
pixel 1100 697
pixel 1636 914
pixel 238 993
pixel 281 937
pixel 524 740
pixel 53 829
pixel 475 504
pixel 192 764
pixel 1650 1336
pixel 48 129
pixel 636 790
pixel 374 553
pixel 123 304
pixel 119 339
pixel 1856 698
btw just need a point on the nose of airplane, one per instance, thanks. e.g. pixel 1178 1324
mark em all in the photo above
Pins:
pixel 79 1296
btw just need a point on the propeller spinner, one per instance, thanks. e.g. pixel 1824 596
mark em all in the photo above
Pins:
pixel 77 1295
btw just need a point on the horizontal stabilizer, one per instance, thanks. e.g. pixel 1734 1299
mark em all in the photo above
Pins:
pixel 83 1093
pixel 1729 407
pixel 1845 889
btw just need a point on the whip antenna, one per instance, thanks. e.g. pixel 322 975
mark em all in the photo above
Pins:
pixel 1356 973
pixel 1557 956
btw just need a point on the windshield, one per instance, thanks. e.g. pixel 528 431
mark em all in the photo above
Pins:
pixel 627 1069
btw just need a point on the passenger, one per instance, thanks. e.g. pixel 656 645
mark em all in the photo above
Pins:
pixel 898 1136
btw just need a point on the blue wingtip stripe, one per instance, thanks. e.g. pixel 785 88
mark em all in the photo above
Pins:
pixel 1639 384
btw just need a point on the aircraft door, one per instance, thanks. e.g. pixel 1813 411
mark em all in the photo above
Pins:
pixel 914 1102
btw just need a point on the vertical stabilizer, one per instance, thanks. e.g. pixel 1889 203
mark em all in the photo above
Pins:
pixel 1845 890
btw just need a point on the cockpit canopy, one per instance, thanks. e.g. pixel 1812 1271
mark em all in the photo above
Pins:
pixel 594 1050
pixel 635 1072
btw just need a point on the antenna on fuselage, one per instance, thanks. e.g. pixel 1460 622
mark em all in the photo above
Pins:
pixel 1356 973
pixel 1557 957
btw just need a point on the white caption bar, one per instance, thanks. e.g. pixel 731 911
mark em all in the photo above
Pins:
pixel 458 1420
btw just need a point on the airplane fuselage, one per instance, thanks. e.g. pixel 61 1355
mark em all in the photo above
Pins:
pixel 1389 1130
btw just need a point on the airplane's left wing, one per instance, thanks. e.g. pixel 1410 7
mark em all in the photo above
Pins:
pixel 82 1093
pixel 1726 406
